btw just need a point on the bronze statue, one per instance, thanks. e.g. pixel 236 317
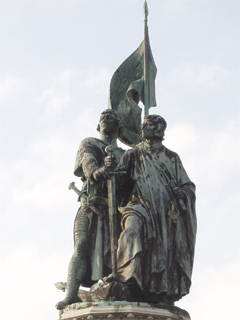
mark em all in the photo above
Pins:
pixel 156 246
pixel 91 259
pixel 147 251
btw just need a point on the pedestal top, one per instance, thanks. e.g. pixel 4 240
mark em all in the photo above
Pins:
pixel 121 310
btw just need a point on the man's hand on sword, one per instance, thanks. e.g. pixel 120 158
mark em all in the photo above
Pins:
pixel 101 174
pixel 109 161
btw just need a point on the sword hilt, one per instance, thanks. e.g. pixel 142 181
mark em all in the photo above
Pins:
pixel 109 150
pixel 73 187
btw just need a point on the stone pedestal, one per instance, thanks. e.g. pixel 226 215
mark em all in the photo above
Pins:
pixel 121 311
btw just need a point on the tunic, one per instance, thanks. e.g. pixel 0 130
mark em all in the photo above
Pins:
pixel 161 258
pixel 90 156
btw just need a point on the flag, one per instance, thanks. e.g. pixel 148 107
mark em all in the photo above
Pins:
pixel 128 87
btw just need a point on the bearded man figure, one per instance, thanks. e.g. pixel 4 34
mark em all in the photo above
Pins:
pixel 156 246
pixel 91 259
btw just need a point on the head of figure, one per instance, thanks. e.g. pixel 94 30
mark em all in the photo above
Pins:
pixel 109 122
pixel 154 126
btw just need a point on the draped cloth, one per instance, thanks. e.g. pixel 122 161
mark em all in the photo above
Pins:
pixel 160 258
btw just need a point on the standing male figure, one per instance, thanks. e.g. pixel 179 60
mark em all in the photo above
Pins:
pixel 91 259
pixel 156 250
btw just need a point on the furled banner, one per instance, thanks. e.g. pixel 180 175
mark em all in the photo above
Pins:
pixel 128 87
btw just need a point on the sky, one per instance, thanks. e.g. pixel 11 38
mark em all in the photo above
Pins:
pixel 56 62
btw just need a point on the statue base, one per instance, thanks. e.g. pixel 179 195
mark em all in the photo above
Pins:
pixel 121 310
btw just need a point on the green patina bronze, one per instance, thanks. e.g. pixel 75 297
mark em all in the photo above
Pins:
pixel 135 229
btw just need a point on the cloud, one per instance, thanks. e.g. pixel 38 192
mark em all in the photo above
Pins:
pixel 187 136
pixel 47 170
pixel 39 163
pixel 214 293
pixel 97 80
pixel 212 162
pixel 190 75
pixel 55 94
pixel 65 88
pixel 27 283
pixel 207 151
pixel 13 89
pixel 176 9
pixel 51 96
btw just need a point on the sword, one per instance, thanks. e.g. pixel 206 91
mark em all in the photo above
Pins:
pixel 112 208
pixel 73 187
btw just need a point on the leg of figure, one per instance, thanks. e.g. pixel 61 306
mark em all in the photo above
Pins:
pixel 129 244
pixel 130 240
pixel 130 256
pixel 78 264
pixel 130 248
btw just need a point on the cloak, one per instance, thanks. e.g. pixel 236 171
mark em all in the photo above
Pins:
pixel 161 258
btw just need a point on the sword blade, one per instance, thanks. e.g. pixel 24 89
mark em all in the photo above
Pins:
pixel 113 221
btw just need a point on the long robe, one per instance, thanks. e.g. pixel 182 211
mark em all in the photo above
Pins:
pixel 161 258
pixel 90 156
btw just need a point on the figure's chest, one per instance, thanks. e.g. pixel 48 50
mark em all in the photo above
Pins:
pixel 153 164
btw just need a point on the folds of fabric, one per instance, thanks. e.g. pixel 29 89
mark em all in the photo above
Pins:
pixel 166 248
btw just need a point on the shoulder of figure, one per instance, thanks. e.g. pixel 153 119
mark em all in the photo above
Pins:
pixel 131 153
pixel 90 141
pixel 169 153
pixel 127 153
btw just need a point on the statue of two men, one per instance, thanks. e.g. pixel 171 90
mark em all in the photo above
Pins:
pixel 157 211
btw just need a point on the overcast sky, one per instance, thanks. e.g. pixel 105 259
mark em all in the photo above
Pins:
pixel 56 63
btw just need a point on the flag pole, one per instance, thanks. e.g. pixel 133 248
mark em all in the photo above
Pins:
pixel 146 60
